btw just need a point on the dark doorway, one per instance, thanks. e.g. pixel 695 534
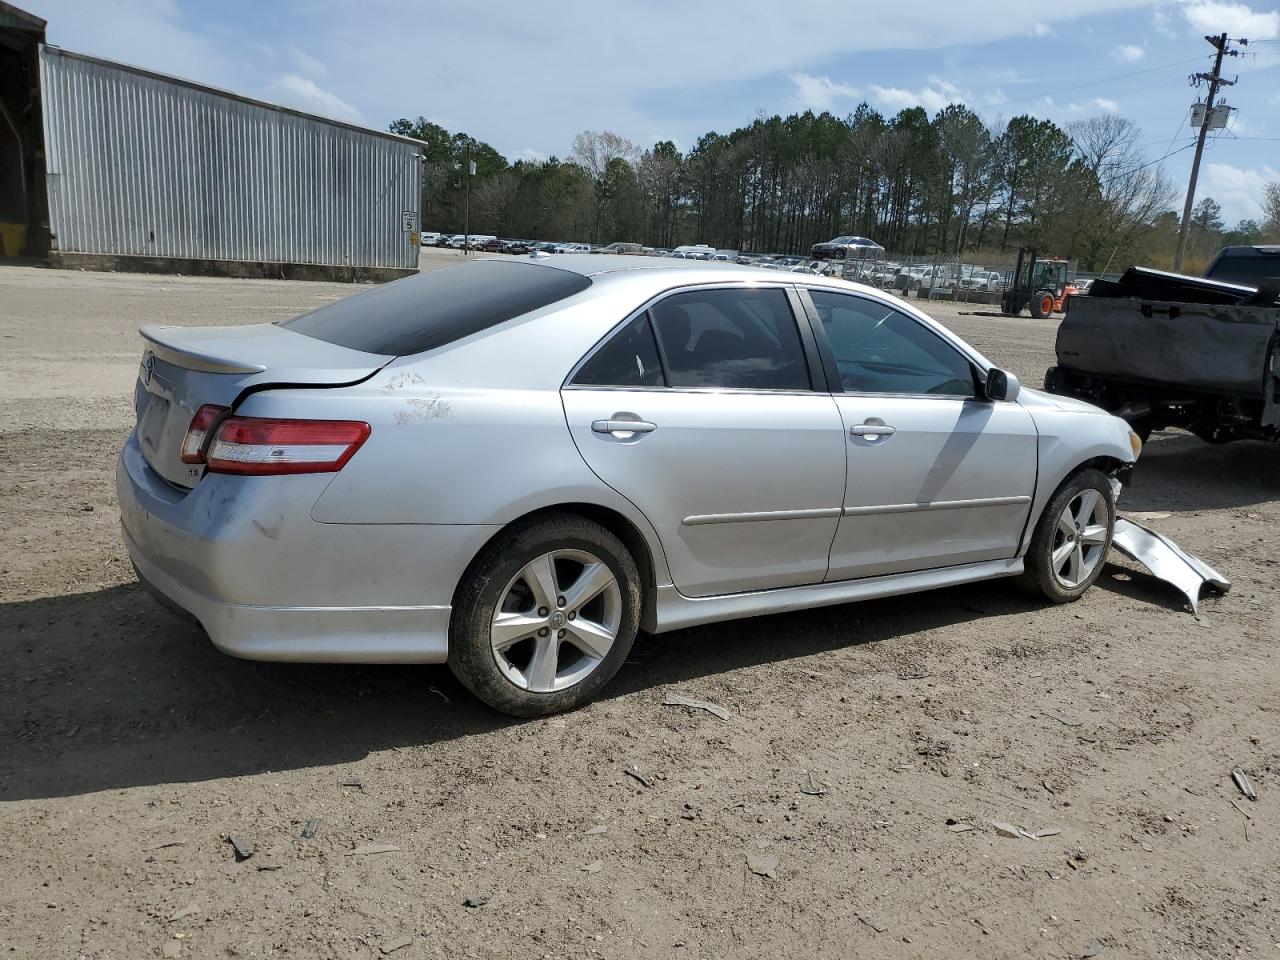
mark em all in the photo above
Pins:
pixel 24 229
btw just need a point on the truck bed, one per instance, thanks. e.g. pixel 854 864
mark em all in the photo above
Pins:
pixel 1171 350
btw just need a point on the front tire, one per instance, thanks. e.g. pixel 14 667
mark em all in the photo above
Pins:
pixel 545 616
pixel 1071 539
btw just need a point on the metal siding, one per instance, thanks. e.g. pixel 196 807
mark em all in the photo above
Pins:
pixel 143 166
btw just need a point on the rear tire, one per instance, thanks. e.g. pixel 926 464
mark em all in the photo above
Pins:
pixel 545 616
pixel 1071 539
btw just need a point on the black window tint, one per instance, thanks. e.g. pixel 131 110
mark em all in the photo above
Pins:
pixel 740 338
pixel 879 350
pixel 1249 269
pixel 628 359
pixel 429 310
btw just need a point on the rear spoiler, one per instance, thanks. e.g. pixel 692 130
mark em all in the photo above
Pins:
pixel 178 345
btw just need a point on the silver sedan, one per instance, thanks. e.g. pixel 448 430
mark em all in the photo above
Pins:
pixel 515 465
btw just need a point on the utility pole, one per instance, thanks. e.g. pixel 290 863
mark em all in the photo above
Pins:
pixel 1214 80
pixel 466 217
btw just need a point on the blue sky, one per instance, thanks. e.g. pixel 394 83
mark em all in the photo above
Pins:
pixel 527 77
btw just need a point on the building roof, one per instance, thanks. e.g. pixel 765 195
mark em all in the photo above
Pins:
pixel 230 94
pixel 13 18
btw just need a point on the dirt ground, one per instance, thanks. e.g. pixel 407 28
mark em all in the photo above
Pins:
pixel 131 749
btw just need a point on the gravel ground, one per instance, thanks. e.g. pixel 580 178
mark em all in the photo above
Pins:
pixel 812 823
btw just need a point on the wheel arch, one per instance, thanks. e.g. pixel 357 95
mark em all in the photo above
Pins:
pixel 615 522
pixel 1111 466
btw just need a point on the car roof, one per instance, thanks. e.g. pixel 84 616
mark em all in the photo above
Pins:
pixel 1251 250
pixel 664 272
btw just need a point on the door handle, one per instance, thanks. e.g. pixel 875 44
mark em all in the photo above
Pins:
pixel 872 430
pixel 616 427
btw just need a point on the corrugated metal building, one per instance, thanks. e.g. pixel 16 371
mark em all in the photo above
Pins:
pixel 148 172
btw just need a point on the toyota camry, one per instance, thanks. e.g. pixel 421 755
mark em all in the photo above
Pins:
pixel 513 466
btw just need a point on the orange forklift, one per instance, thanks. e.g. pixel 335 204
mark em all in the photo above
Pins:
pixel 1040 284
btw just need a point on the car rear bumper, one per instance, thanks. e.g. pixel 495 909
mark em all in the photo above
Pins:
pixel 244 558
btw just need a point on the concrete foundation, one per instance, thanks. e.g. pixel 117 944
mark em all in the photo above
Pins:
pixel 245 269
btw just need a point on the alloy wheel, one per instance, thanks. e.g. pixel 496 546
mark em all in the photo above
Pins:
pixel 557 620
pixel 1080 538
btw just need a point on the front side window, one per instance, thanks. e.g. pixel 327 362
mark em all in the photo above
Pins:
pixel 739 338
pixel 627 359
pixel 881 350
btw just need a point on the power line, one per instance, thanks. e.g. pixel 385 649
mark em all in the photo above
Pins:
pixel 1094 83
pixel 1176 132
pixel 1143 166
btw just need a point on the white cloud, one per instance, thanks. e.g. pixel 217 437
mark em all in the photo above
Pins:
pixel 145 33
pixel 1163 23
pixel 1105 105
pixel 1244 127
pixel 303 94
pixel 933 97
pixel 708 74
pixel 1236 19
pixel 529 155
pixel 659 137
pixel 822 93
pixel 1238 190
pixel 1128 52
pixel 307 63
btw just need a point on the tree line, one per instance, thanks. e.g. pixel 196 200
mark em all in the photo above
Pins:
pixel 950 185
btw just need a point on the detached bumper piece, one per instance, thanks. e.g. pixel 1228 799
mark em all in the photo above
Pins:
pixel 1168 561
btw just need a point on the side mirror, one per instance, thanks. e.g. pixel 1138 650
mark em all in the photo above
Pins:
pixel 1001 385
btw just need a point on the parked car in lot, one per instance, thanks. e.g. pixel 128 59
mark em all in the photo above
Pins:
pixel 909 278
pixel 429 240
pixel 984 280
pixel 847 248
pixel 620 247
pixel 574 248
pixel 696 251
pixel 515 465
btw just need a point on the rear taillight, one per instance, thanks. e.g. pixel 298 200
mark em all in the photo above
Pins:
pixel 260 446
pixel 193 442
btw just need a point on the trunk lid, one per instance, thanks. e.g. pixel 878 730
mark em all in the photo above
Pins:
pixel 184 368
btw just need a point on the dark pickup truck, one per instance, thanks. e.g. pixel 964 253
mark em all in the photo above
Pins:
pixel 1168 350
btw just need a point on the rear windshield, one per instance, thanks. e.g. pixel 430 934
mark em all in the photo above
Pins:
pixel 1248 269
pixel 429 310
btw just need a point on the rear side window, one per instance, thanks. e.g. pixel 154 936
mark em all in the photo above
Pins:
pixel 740 338
pixel 429 310
pixel 628 359
pixel 1250 269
